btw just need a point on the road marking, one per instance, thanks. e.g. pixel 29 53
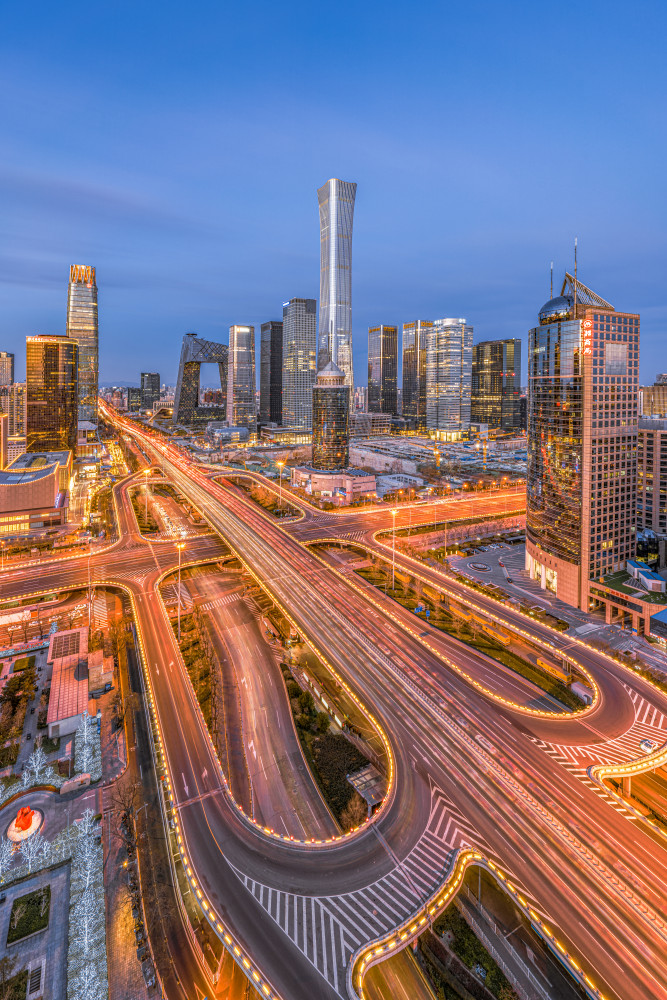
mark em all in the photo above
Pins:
pixel 184 783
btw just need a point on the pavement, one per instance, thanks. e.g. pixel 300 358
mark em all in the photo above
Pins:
pixel 299 913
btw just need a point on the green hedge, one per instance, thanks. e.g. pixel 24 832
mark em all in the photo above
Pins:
pixel 34 910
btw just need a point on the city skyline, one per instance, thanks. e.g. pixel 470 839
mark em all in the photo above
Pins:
pixel 213 240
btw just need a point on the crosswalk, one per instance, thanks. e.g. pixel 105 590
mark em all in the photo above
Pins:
pixel 329 929
pixel 649 724
pixel 170 596
pixel 221 601
pixel 100 613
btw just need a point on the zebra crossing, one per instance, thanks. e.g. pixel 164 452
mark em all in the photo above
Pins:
pixel 100 613
pixel 170 596
pixel 329 929
pixel 355 536
pixel 221 601
pixel 649 724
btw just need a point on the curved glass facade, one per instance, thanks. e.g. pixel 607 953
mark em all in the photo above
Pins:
pixel 555 439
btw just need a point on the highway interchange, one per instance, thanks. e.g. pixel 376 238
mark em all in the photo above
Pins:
pixel 297 913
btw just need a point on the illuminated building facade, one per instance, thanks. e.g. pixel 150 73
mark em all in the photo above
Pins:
pixel 195 352
pixel 414 372
pixel 336 202
pixel 496 390
pixel 13 403
pixel 150 389
pixel 241 406
pixel 582 442
pixel 652 475
pixel 82 327
pixel 331 419
pixel 52 400
pixel 448 375
pixel 299 354
pixel 271 372
pixel 6 368
pixel 382 369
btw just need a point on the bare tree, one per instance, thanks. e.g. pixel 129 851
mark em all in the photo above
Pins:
pixel 7 972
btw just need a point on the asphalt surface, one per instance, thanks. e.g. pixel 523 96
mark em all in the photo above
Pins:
pixel 611 921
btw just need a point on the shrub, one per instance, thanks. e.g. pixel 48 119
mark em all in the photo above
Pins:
pixel 9 755
pixel 293 689
pixel 306 702
pixel 322 722
pixel 30 913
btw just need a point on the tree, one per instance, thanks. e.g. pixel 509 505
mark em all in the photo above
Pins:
pixel 87 985
pixel 6 857
pixel 36 848
pixel 322 722
pixel 354 813
pixel 36 763
pixel 7 967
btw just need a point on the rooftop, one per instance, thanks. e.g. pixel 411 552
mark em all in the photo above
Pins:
pixel 40 459
pixel 69 688
pixel 625 584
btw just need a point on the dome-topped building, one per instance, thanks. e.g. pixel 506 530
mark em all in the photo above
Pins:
pixel 556 310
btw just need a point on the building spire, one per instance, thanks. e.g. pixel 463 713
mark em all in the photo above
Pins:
pixel 552 280
pixel 575 278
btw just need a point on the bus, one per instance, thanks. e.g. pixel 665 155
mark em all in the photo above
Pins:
pixel 564 676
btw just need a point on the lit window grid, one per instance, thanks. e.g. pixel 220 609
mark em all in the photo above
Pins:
pixel 336 203
pixel 448 375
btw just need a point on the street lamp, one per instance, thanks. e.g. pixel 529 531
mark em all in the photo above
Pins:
pixel 2 549
pixel 180 546
pixel 393 550
pixel 147 473
pixel 280 486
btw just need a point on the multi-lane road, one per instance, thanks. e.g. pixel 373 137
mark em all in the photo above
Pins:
pixel 467 770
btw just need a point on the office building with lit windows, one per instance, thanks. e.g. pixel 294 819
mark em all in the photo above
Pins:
pixel 241 407
pixel 336 203
pixel 415 335
pixel 82 327
pixel 150 389
pixel 382 369
pixel 52 399
pixel 331 420
pixel 271 372
pixel 12 402
pixel 6 368
pixel 299 355
pixel 448 377
pixel 496 388
pixel 583 360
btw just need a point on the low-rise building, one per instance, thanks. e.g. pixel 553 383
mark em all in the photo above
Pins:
pixel 370 424
pixel 34 492
pixel 220 433
pixel 341 486
pixel 68 700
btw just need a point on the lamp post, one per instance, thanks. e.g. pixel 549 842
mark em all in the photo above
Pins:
pixel 280 486
pixel 147 473
pixel 393 550
pixel 90 596
pixel 180 546
pixel 2 549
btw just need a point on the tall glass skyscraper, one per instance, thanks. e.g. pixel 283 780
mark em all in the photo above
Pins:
pixel 51 393
pixel 299 351
pixel 150 389
pixel 331 420
pixel 382 369
pixel 336 201
pixel 82 327
pixel 271 372
pixel 448 375
pixel 13 403
pixel 582 442
pixel 414 372
pixel 496 388
pixel 6 368
pixel 241 407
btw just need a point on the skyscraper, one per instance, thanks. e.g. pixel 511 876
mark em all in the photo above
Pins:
pixel 448 375
pixel 82 327
pixel 582 442
pixel 194 353
pixel 299 352
pixel 336 201
pixel 6 368
pixel 271 372
pixel 414 372
pixel 382 369
pixel 150 389
pixel 331 419
pixel 13 403
pixel 496 390
pixel 241 410
pixel 52 393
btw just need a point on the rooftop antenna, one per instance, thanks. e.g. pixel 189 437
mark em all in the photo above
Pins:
pixel 575 277
pixel 552 280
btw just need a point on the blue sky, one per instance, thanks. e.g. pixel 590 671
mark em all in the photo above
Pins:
pixel 178 148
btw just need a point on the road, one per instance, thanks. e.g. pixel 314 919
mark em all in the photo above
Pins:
pixel 305 909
